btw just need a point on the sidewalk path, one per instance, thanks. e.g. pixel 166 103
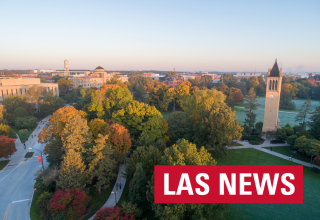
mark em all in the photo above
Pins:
pixel 267 143
pixel 114 198
pixel 18 156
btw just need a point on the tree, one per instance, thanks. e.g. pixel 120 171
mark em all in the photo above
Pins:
pixel 76 134
pixel 157 94
pixel 183 94
pixel 72 172
pixel 185 153
pixel 55 152
pixel 26 122
pixel 2 113
pixel 7 131
pixel 34 93
pixel 50 104
pixel 250 105
pixel 315 129
pixel 148 156
pixel 20 112
pixel 315 115
pixel 68 203
pixel 180 126
pixel 144 140
pixel 138 188
pixel 57 123
pixel 140 93
pixel 112 213
pixel 138 117
pixel 105 103
pixel 7 146
pixel 97 126
pixel 119 138
pixel 216 127
pixel 286 101
pixel 102 164
pixel 12 102
pixel 201 99
pixel 303 114
pixel 65 86
pixel 115 79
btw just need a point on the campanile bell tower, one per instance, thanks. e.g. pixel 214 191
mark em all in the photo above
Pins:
pixel 273 89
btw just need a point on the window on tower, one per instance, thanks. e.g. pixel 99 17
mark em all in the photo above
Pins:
pixel 276 85
pixel 270 84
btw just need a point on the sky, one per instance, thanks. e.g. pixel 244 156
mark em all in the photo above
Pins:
pixel 228 35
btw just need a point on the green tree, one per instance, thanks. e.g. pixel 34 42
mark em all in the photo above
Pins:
pixel 76 134
pixel 140 93
pixel 216 127
pixel 115 79
pixel 65 86
pixel 201 99
pixel 302 117
pixel 102 164
pixel 148 156
pixel 50 104
pixel 180 126
pixel 105 103
pixel 144 140
pixel 7 131
pixel 315 129
pixel 315 115
pixel 138 188
pixel 12 102
pixel 138 117
pixel 250 105
pixel 185 153
pixel 26 122
pixel 72 172
pixel 55 152
pixel 20 112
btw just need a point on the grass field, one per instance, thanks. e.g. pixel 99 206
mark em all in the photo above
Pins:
pixel 3 163
pixel 308 210
pixel 286 150
pixel 29 155
pixel 23 138
pixel 285 116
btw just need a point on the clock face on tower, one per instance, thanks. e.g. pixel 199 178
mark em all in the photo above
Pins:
pixel 271 96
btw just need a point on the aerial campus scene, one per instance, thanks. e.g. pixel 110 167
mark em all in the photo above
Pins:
pixel 126 110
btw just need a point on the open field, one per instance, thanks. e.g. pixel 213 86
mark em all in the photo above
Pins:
pixel 308 210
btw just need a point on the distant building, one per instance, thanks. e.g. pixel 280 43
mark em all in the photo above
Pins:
pixel 294 76
pixel 154 76
pixel 315 82
pixel 239 76
pixel 43 71
pixel 173 81
pixel 20 86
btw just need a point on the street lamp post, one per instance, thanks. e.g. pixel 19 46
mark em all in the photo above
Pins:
pixel 41 156
pixel 115 197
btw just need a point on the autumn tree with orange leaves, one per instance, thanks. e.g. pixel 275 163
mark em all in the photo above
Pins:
pixel 57 123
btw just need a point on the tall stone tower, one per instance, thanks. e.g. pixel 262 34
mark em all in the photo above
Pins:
pixel 273 89
pixel 66 65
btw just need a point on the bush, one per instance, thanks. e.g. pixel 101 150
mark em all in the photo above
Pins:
pixel 255 140
pixel 130 208
pixel 315 170
pixel 112 213
pixel 277 142
pixel 42 204
pixel 71 202
pixel 23 132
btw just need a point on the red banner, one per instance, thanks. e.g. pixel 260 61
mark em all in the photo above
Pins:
pixel 228 184
pixel 39 159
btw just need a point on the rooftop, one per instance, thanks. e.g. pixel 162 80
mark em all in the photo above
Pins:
pixel 274 72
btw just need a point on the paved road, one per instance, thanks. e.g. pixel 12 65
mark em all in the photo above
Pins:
pixel 17 180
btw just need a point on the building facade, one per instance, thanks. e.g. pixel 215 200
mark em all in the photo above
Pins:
pixel 20 86
pixel 173 81
pixel 271 120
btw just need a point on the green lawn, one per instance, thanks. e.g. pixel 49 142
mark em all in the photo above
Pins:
pixel 22 138
pixel 308 210
pixel 3 163
pixel 286 150
pixel 29 155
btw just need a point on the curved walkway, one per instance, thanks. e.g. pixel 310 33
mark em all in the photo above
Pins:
pixel 267 143
pixel 115 197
